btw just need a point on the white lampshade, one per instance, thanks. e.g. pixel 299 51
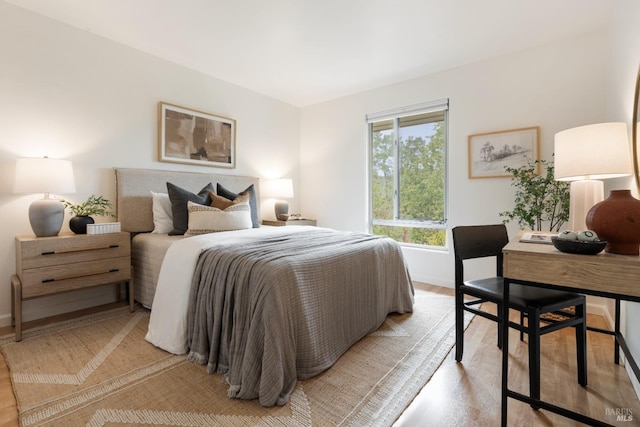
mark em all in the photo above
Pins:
pixel 44 175
pixel 597 151
pixel 278 189
pixel 584 155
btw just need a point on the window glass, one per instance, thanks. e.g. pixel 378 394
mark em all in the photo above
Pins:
pixel 408 176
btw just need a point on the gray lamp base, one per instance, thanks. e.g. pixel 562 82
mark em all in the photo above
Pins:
pixel 46 216
pixel 282 210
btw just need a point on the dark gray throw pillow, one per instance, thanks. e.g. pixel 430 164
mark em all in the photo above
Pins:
pixel 179 198
pixel 227 194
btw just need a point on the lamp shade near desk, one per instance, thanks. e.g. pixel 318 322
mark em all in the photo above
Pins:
pixel 44 175
pixel 585 155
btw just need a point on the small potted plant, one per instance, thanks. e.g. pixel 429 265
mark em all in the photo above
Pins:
pixel 94 205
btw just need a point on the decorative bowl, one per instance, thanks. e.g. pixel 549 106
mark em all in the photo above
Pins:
pixel 578 247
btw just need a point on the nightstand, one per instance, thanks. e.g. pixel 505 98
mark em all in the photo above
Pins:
pixel 68 262
pixel 278 223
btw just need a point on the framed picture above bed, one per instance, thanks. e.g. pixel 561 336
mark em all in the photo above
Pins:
pixel 490 152
pixel 195 137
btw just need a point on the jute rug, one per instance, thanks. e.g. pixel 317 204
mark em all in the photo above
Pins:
pixel 99 371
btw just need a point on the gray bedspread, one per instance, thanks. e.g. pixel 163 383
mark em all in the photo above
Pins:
pixel 287 307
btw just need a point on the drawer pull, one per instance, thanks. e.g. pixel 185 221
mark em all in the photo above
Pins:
pixel 68 251
pixel 77 276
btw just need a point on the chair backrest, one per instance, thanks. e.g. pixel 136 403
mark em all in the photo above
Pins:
pixel 479 241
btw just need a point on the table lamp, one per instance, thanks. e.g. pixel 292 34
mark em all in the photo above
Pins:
pixel 44 175
pixel 585 155
pixel 280 189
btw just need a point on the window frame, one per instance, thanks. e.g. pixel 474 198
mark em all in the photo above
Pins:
pixel 441 105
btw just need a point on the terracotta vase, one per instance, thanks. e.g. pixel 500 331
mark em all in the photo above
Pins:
pixel 617 220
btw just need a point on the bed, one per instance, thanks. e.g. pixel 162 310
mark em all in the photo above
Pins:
pixel 265 306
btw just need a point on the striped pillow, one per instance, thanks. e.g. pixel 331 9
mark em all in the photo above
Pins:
pixel 207 219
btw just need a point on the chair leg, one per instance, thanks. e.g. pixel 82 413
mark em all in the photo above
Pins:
pixel 581 344
pixel 499 322
pixel 522 325
pixel 533 331
pixel 459 325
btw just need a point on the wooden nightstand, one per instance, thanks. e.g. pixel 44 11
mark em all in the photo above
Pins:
pixel 278 223
pixel 51 265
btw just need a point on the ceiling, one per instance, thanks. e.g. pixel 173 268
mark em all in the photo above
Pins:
pixel 307 51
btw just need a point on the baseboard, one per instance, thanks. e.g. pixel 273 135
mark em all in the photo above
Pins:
pixel 601 310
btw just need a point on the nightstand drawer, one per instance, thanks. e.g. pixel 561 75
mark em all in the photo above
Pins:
pixel 61 278
pixel 70 250
pixel 68 262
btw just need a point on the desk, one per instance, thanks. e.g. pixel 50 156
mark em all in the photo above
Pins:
pixel 606 275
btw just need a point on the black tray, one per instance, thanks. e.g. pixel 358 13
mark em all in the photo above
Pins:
pixel 578 247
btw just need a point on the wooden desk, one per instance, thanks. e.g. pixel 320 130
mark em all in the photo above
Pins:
pixel 606 275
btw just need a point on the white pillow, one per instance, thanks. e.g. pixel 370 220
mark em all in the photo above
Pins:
pixel 207 219
pixel 162 216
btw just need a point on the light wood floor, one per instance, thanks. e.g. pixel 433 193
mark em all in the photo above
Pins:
pixel 468 393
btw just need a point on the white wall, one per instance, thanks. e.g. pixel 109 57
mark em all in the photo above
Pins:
pixel 625 59
pixel 69 94
pixel 555 87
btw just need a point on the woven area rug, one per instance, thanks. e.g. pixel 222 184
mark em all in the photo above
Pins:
pixel 99 370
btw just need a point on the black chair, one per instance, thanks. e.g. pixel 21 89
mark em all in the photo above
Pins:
pixel 481 241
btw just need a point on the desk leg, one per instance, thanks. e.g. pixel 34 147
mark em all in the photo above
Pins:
pixel 616 348
pixel 505 352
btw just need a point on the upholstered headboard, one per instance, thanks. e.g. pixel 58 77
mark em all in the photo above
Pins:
pixel 134 186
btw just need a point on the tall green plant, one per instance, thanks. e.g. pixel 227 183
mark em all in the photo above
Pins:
pixel 539 198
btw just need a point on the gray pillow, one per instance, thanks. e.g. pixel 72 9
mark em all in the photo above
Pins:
pixel 227 194
pixel 179 198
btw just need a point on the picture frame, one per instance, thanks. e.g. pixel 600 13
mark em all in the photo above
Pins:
pixel 491 152
pixel 194 137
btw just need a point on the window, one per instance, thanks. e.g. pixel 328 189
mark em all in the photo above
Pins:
pixel 408 173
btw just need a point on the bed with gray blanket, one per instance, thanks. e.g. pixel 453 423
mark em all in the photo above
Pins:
pixel 270 305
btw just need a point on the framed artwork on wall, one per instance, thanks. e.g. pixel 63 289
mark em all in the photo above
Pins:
pixel 491 152
pixel 194 137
